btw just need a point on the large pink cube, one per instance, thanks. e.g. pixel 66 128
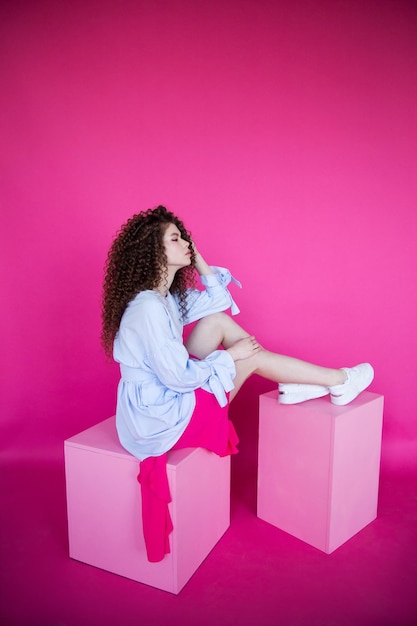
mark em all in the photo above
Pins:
pixel 318 467
pixel 105 516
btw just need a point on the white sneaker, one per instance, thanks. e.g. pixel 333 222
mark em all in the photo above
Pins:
pixel 292 393
pixel 358 379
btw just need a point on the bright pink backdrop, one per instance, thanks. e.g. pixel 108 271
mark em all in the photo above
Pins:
pixel 284 134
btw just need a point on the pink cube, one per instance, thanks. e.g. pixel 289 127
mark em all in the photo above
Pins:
pixel 105 516
pixel 318 467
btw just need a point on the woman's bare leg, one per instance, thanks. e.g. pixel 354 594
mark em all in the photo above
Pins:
pixel 211 332
pixel 220 329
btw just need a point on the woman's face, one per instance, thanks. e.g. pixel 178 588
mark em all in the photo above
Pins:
pixel 177 250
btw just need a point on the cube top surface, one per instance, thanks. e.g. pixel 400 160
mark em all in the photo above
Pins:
pixel 102 438
pixel 324 405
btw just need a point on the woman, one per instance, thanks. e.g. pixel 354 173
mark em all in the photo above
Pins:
pixel 175 394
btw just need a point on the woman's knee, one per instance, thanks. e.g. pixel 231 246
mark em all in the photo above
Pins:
pixel 213 322
pixel 216 318
pixel 206 335
pixel 212 331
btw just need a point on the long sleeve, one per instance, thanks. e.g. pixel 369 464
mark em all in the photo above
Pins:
pixel 166 358
pixel 215 297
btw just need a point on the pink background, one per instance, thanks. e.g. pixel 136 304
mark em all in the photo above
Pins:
pixel 284 134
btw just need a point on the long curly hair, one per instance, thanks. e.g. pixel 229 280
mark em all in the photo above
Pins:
pixel 137 261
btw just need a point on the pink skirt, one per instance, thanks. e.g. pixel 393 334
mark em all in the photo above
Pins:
pixel 209 427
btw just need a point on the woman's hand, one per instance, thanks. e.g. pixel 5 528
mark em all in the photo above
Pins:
pixel 200 264
pixel 244 348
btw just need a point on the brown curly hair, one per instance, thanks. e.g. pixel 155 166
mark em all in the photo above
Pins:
pixel 137 261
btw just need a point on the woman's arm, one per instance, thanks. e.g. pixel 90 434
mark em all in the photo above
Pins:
pixel 215 297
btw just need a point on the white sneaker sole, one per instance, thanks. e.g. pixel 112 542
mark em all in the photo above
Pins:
pixel 292 393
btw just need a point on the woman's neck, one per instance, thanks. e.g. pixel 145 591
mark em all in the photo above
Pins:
pixel 165 284
pixel 163 291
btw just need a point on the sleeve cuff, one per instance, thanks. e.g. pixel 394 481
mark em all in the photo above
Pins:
pixel 220 276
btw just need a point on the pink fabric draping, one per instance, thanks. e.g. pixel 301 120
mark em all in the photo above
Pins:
pixel 209 428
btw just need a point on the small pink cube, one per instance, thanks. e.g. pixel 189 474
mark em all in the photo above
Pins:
pixel 318 467
pixel 105 516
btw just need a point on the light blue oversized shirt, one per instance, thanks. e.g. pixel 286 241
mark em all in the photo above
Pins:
pixel 155 396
